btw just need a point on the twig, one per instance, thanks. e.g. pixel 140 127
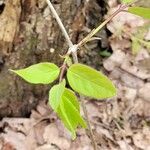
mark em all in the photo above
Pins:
pixel 88 123
pixel 93 32
pixel 60 23
pixel 63 68
pixel 72 50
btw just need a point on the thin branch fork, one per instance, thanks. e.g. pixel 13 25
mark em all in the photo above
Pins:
pixel 72 50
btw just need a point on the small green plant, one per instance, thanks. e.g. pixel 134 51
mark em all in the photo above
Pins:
pixel 82 79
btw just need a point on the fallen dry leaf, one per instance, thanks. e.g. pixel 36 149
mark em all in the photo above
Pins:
pixel 115 60
pixel 144 92
pixel 51 136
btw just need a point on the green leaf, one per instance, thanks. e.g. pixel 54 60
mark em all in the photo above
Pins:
pixel 89 82
pixel 55 95
pixel 43 73
pixel 69 112
pixel 140 11
pixel 68 109
pixel 126 1
pixel 73 99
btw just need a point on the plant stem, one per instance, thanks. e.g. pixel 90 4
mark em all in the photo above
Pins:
pixel 88 123
pixel 93 32
pixel 60 23
pixel 62 72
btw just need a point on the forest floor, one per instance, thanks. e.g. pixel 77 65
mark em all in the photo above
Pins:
pixel 120 123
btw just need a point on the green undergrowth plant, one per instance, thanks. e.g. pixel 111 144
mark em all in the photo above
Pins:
pixel 82 79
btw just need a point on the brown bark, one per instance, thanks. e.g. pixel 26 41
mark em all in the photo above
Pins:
pixel 35 37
